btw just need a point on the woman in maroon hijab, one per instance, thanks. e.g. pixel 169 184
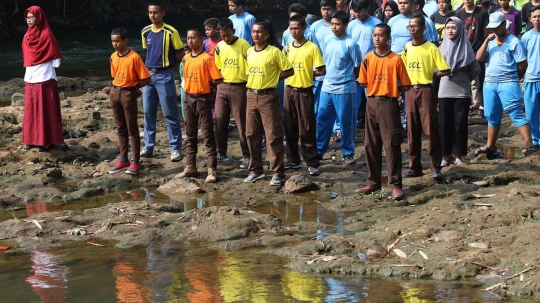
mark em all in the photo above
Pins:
pixel 42 123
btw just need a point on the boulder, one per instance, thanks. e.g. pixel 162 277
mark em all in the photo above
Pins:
pixel 181 186
pixel 103 167
pixel 17 99
pixel 299 183
pixel 54 173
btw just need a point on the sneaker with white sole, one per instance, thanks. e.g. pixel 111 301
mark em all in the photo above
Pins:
pixel 245 163
pixel 120 166
pixel 349 160
pixel 133 169
pixel 147 152
pixel 314 171
pixel 288 165
pixel 176 155
pixel 222 158
pixel 253 177
pixel 276 181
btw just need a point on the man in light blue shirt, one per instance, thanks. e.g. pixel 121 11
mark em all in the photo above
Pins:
pixel 320 30
pixel 242 20
pixel 531 41
pixel 342 58
pixel 506 65
pixel 297 9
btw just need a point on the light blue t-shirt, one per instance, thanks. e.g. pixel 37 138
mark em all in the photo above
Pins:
pixel 502 60
pixel 362 33
pixel 431 8
pixel 341 56
pixel 401 35
pixel 320 31
pixel 242 25
pixel 287 39
pixel 531 41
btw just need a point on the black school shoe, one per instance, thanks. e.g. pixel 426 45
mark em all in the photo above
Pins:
pixel 412 174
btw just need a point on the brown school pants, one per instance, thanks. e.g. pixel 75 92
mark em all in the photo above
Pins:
pixel 299 119
pixel 124 107
pixel 231 97
pixel 263 113
pixel 198 111
pixel 383 128
pixel 422 115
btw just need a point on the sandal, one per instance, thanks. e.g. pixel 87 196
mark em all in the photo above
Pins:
pixel 490 154
pixel 337 139
pixel 531 149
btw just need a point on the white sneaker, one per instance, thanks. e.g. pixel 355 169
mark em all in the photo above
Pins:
pixel 276 181
pixel 245 163
pixel 222 158
pixel 253 177
pixel 176 156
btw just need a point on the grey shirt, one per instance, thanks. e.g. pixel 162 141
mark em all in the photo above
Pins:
pixel 458 84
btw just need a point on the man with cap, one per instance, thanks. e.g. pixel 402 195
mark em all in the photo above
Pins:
pixel 506 59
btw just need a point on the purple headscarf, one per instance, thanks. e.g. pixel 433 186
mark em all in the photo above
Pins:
pixel 457 52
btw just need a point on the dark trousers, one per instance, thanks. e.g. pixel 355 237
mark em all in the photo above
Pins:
pixel 422 115
pixel 198 110
pixel 383 128
pixel 263 114
pixel 362 110
pixel 231 98
pixel 299 119
pixel 124 107
pixel 453 124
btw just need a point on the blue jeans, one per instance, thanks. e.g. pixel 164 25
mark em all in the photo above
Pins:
pixel 161 90
pixel 505 96
pixel 332 106
pixel 532 109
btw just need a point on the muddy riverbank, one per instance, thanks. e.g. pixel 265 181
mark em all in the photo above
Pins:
pixel 456 229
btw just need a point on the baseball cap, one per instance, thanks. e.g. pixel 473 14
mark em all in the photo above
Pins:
pixel 495 19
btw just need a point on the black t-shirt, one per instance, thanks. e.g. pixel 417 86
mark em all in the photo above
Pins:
pixel 440 21
pixel 475 23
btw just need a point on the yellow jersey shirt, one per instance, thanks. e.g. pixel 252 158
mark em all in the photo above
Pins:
pixel 421 61
pixel 264 67
pixel 230 59
pixel 304 59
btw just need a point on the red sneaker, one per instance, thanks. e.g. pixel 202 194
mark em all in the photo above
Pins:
pixel 119 167
pixel 133 169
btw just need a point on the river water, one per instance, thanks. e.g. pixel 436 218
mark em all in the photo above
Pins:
pixel 194 271
pixel 187 271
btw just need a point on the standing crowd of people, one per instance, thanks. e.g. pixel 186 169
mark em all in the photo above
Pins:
pixel 345 71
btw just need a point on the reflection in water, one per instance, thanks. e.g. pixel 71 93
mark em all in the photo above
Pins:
pixel 342 291
pixel 49 276
pixel 162 259
pixel 35 208
pixel 129 286
pixel 202 274
pixel 412 294
pixel 303 288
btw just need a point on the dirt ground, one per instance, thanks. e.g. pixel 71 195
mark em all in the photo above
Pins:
pixel 454 229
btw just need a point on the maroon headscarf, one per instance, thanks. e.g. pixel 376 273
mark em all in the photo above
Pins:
pixel 39 44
